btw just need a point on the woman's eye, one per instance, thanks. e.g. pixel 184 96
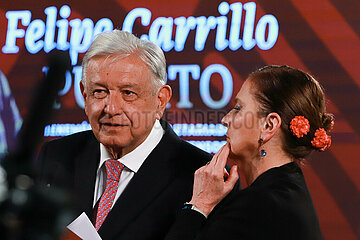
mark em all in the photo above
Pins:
pixel 237 108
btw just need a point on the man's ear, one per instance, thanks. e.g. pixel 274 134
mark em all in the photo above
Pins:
pixel 83 92
pixel 164 95
pixel 82 89
pixel 271 125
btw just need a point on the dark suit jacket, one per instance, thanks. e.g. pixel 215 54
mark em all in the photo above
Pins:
pixel 149 204
pixel 277 205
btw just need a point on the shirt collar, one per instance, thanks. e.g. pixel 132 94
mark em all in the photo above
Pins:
pixel 134 159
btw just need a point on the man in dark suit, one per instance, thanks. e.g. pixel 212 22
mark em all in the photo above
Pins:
pixel 131 173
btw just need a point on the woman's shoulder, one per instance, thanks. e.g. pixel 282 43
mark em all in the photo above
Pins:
pixel 278 190
pixel 279 204
pixel 285 177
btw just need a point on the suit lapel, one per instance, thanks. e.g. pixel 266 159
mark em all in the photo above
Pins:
pixel 86 166
pixel 153 177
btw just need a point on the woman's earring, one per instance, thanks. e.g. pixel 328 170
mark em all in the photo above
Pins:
pixel 262 151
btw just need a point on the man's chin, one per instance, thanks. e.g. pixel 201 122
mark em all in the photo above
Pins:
pixel 112 142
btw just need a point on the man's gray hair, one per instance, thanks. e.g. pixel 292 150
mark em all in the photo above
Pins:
pixel 122 44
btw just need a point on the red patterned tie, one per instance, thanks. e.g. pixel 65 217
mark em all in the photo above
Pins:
pixel 113 171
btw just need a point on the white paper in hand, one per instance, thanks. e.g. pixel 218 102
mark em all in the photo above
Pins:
pixel 83 227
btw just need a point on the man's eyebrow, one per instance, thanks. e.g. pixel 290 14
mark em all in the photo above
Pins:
pixel 125 85
pixel 96 84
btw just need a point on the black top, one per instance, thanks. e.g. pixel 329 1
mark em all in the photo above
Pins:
pixel 277 205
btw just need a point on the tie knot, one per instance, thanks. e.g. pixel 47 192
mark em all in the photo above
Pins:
pixel 113 169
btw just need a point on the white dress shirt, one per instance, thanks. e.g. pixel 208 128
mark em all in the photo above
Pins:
pixel 131 161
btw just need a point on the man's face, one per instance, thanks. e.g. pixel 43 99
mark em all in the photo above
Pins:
pixel 120 103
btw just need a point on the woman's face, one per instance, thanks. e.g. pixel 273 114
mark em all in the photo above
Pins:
pixel 244 124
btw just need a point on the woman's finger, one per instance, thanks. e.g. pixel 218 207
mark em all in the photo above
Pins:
pixel 231 181
pixel 222 157
pixel 215 157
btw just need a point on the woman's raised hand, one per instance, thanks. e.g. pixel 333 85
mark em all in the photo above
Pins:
pixel 212 182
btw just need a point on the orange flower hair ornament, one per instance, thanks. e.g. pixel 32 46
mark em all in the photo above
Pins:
pixel 321 141
pixel 299 126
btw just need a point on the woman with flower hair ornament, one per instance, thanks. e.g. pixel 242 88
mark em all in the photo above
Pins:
pixel 279 119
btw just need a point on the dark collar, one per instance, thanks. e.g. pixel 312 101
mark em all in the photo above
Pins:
pixel 276 173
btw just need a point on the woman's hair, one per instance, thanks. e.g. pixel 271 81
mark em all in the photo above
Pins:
pixel 120 44
pixel 291 92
